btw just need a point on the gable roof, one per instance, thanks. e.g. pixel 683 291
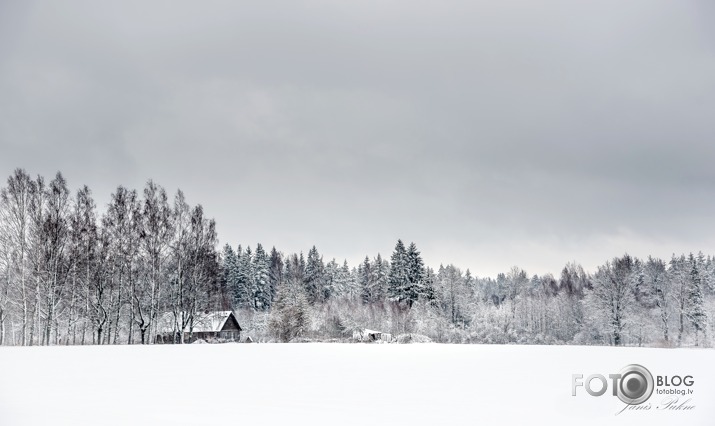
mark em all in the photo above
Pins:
pixel 203 322
pixel 211 321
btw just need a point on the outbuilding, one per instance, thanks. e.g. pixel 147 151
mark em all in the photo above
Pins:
pixel 209 325
pixel 366 335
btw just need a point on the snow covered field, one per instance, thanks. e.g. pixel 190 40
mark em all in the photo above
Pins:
pixel 326 384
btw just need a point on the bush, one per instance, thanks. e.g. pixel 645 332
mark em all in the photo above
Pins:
pixel 413 338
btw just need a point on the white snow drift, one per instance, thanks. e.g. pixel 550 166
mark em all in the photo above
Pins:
pixel 329 384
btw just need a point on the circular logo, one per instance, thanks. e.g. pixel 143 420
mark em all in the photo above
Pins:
pixel 636 384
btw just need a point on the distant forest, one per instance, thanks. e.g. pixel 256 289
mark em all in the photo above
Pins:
pixel 73 274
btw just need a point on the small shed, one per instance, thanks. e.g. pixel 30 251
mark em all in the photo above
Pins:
pixel 366 335
pixel 208 325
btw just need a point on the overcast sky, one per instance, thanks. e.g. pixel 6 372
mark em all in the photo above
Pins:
pixel 491 133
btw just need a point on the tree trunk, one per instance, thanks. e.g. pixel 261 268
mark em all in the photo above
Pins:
pixel 2 328
pixel 24 316
pixel 35 330
pixel 70 319
pixel 119 310
pixel 132 297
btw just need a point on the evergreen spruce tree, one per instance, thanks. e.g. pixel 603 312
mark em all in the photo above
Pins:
pixel 694 311
pixel 275 272
pixel 381 270
pixel 709 276
pixel 243 293
pixel 470 281
pixel 366 281
pixel 300 268
pixel 427 291
pixel 415 273
pixel 261 280
pixel 331 279
pixel 313 279
pixel 290 268
pixel 398 279
pixel 346 284
pixel 229 264
pixel 230 271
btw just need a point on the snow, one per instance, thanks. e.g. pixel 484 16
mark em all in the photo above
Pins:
pixel 328 384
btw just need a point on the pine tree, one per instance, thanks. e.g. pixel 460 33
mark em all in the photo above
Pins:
pixel 365 279
pixel 406 274
pixel 228 266
pixel 243 291
pixel 275 272
pixel 313 279
pixel 232 277
pixel 236 282
pixel 345 282
pixel 709 275
pixel 300 268
pixel 261 280
pixel 415 273
pixel 381 269
pixel 427 290
pixel 290 269
pixel 331 279
pixel 398 280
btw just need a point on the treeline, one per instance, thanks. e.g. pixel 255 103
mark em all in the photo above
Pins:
pixel 627 301
pixel 72 274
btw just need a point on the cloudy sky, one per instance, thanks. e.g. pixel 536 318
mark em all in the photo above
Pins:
pixel 491 133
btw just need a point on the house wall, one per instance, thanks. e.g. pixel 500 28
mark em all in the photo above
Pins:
pixel 231 335
pixel 231 331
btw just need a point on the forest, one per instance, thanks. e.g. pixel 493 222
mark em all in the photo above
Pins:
pixel 74 273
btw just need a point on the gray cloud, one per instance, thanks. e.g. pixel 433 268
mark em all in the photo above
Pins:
pixel 490 133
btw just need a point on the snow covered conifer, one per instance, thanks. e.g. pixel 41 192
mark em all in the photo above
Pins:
pixel 346 282
pixel 415 273
pixel 242 292
pixel 694 311
pixel 427 290
pixel 365 279
pixel 275 272
pixel 398 280
pixel 381 270
pixel 228 264
pixel 261 291
pixel 313 279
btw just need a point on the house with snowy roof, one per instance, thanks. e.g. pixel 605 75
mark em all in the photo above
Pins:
pixel 208 325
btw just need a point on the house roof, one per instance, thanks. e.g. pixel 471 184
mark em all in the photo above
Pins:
pixel 212 321
pixel 203 322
